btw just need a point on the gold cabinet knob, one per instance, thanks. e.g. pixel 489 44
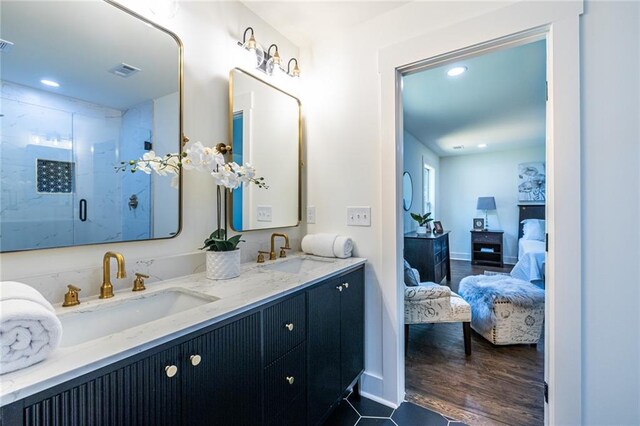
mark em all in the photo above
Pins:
pixel 289 326
pixel 171 370
pixel 195 359
pixel 290 379
pixel 340 288
pixel 346 285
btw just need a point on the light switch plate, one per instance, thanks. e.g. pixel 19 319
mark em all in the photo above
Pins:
pixel 264 213
pixel 311 214
pixel 359 216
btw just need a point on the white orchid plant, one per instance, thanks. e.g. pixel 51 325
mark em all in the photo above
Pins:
pixel 196 156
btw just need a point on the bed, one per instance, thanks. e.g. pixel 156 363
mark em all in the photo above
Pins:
pixel 531 244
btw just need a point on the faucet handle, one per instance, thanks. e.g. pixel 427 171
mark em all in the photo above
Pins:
pixel 283 252
pixel 261 256
pixel 71 296
pixel 138 283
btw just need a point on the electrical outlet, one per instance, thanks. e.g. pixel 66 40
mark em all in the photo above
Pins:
pixel 264 213
pixel 358 216
pixel 311 214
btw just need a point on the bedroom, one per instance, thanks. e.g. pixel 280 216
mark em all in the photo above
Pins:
pixel 474 157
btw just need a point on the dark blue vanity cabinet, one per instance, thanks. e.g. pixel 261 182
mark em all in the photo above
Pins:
pixel 285 363
pixel 335 341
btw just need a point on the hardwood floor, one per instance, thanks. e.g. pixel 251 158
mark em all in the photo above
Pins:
pixel 496 385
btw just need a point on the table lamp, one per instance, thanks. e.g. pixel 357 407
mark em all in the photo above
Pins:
pixel 486 203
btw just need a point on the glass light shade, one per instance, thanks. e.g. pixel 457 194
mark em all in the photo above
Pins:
pixel 274 64
pixel 255 50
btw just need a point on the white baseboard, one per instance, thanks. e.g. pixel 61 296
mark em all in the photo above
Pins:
pixel 371 386
pixel 460 256
pixel 508 260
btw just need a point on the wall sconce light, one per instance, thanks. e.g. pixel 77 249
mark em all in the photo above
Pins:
pixel 253 47
pixel 270 61
pixel 295 72
pixel 274 63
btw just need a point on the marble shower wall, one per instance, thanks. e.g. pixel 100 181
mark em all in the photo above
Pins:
pixel 70 133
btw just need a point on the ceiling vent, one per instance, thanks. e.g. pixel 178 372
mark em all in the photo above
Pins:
pixel 458 147
pixel 124 70
pixel 5 46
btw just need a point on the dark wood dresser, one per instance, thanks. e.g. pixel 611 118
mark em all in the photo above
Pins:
pixel 429 254
pixel 487 248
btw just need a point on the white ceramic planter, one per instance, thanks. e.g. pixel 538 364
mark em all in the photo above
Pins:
pixel 223 265
pixel 421 230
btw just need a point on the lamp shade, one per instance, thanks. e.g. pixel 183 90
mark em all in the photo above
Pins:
pixel 486 203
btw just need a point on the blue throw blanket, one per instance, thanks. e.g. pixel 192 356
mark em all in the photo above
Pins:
pixel 481 290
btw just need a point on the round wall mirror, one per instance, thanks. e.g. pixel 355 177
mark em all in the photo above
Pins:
pixel 407 191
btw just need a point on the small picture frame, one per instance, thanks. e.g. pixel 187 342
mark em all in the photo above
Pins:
pixel 437 227
pixel 478 224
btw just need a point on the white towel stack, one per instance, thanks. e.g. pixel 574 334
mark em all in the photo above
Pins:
pixel 29 327
pixel 327 245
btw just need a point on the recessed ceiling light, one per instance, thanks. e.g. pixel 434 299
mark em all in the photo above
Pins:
pixel 50 83
pixel 482 145
pixel 456 71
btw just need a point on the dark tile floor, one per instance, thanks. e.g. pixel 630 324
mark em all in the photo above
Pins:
pixel 358 410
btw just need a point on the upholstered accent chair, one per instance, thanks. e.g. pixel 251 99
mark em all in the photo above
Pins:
pixel 432 303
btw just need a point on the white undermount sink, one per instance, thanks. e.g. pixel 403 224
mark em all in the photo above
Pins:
pixel 297 265
pixel 107 318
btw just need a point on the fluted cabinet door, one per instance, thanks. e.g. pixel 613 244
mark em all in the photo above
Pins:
pixel 225 386
pixel 140 393
pixel 352 327
pixel 323 339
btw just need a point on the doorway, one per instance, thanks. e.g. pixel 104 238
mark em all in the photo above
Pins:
pixel 480 118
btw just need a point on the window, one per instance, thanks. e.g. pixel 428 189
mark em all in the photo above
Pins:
pixel 428 188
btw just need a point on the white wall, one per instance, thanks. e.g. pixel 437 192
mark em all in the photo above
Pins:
pixel 345 136
pixel 416 154
pixel 344 157
pixel 209 32
pixel 610 55
pixel 465 178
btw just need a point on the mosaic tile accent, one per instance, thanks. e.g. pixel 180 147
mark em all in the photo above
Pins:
pixel 54 177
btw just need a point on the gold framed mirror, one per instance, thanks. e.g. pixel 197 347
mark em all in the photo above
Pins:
pixel 80 96
pixel 265 125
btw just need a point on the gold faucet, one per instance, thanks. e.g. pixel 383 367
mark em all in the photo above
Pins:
pixel 71 297
pixel 106 289
pixel 272 252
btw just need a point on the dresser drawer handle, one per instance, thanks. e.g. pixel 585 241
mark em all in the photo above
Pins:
pixel 340 288
pixel 289 326
pixel 290 379
pixel 195 359
pixel 346 285
pixel 171 370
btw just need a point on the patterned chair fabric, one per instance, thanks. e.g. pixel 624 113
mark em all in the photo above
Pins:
pixel 432 303
pixel 514 324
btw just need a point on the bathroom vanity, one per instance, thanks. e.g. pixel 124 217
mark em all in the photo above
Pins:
pixel 278 345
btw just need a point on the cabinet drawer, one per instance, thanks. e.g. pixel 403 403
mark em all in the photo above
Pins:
pixel 284 381
pixel 437 245
pixel 487 237
pixel 285 327
pixel 438 257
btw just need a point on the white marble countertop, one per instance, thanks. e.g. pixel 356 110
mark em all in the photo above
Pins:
pixel 255 286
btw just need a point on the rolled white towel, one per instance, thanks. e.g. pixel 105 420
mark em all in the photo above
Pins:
pixel 323 244
pixel 29 327
pixel 307 243
pixel 10 290
pixel 342 247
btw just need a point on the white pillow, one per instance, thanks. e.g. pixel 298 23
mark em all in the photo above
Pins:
pixel 533 229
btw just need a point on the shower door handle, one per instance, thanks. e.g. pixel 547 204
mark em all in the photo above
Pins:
pixel 83 210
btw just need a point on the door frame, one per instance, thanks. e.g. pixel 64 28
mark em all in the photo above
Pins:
pixel 559 21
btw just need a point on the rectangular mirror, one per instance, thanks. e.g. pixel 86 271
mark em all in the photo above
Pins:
pixel 265 125
pixel 85 86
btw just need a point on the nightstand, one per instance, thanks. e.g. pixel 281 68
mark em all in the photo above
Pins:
pixel 486 248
